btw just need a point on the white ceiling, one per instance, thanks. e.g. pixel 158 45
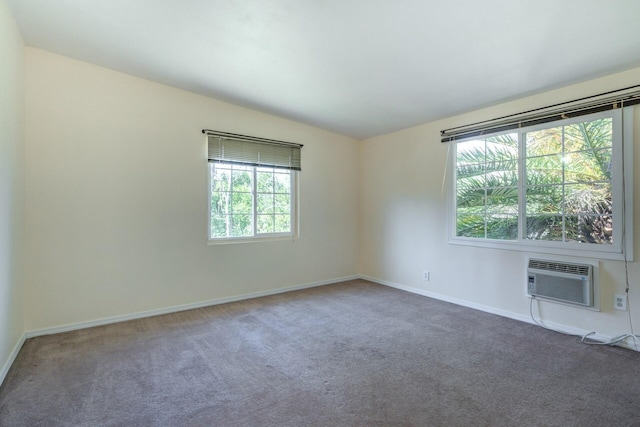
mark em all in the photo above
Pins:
pixel 356 67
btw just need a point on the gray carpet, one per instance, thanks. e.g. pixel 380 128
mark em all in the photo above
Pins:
pixel 349 354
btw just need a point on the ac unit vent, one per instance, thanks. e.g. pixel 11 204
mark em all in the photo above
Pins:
pixel 563 282
pixel 559 267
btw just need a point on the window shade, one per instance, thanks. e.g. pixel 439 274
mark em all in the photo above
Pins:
pixel 578 107
pixel 252 151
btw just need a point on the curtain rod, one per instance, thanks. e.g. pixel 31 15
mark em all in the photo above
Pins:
pixel 546 114
pixel 249 138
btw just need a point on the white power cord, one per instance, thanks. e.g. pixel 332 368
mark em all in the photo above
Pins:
pixel 585 338
pixel 626 295
pixel 612 341
pixel 542 325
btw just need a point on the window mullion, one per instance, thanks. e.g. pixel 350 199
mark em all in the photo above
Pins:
pixel 564 180
pixel 486 229
pixel 291 203
pixel 522 189
pixel 486 193
pixel 229 203
pixel 254 201
pixel 273 200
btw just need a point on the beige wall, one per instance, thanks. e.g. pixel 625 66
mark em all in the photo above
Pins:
pixel 11 186
pixel 404 225
pixel 117 198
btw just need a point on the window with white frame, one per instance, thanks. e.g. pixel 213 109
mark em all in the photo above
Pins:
pixel 252 191
pixel 559 185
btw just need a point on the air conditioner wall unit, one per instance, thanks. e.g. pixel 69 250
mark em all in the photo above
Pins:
pixel 563 282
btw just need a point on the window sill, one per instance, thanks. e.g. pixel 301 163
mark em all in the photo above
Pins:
pixel 234 240
pixel 541 248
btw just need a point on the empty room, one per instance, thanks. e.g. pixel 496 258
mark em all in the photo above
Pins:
pixel 320 213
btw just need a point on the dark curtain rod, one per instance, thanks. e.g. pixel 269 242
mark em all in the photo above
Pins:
pixel 249 138
pixel 545 114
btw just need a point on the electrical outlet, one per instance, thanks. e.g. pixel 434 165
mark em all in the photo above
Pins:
pixel 426 275
pixel 620 302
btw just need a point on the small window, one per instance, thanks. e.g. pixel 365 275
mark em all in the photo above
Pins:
pixel 251 202
pixel 558 186
pixel 252 187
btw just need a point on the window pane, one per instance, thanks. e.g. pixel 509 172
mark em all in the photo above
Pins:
pixel 544 142
pixel 241 203
pixel 544 170
pixel 590 135
pixel 231 226
pixel 503 227
pixel 282 223
pixel 264 181
pixel 220 178
pixel 470 198
pixel 502 147
pixel 218 225
pixel 282 204
pixel 546 199
pixel 265 224
pixel 501 177
pixel 588 199
pixel 479 210
pixel 282 182
pixel 589 228
pixel 470 226
pixel 241 180
pixel 265 203
pixel 470 153
pixel 241 225
pixel 220 199
pixel 544 227
pixel 588 166
pixel 502 200
pixel 498 169
pixel 219 203
pixel 470 177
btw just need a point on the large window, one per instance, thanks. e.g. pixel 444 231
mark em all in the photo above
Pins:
pixel 560 185
pixel 252 187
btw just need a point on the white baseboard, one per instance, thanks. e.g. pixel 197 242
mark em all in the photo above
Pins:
pixel 173 309
pixel 452 300
pixel 12 358
pixel 504 313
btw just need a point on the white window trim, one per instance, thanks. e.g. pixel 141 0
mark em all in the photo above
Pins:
pixel 622 187
pixel 264 237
